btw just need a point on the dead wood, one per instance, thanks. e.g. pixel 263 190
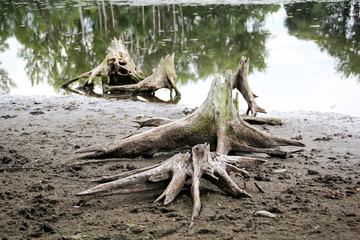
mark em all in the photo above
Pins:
pixel 158 121
pixel 153 122
pixel 240 81
pixel 173 174
pixel 140 96
pixel 117 68
pixel 163 77
pixel 261 120
pixel 216 122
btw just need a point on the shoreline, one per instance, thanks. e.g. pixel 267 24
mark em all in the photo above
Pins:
pixel 37 198
pixel 275 112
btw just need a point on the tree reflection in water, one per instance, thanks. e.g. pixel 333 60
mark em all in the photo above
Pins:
pixel 334 26
pixel 61 39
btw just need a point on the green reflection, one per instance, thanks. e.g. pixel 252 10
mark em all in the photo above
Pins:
pixel 61 40
pixel 5 82
pixel 335 27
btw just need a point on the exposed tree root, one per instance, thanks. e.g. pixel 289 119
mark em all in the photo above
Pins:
pixel 174 173
pixel 240 81
pixel 163 77
pixel 158 121
pixel 117 66
pixel 119 73
pixel 216 122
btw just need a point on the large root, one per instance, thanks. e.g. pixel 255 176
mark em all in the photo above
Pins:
pixel 174 173
pixel 117 68
pixel 163 77
pixel 158 121
pixel 216 122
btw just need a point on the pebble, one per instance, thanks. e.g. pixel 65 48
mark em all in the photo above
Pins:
pixel 264 213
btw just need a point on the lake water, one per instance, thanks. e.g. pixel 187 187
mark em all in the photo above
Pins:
pixel 304 55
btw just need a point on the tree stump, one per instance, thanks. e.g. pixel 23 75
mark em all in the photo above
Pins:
pixel 119 74
pixel 216 122
pixel 163 77
pixel 117 68
pixel 216 125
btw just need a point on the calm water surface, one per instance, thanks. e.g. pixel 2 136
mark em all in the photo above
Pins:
pixel 304 56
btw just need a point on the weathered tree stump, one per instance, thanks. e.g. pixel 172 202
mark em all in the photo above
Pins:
pixel 119 73
pixel 117 68
pixel 163 77
pixel 216 122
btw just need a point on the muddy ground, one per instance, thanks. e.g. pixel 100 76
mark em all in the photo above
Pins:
pixel 317 196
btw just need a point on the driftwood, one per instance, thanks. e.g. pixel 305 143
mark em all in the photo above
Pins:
pixel 163 77
pixel 117 68
pixel 176 172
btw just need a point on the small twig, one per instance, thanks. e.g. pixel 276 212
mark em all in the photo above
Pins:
pixel 259 187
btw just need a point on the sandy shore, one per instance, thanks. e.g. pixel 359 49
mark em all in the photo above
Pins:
pixel 317 196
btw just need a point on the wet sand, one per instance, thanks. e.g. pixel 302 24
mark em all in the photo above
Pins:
pixel 314 194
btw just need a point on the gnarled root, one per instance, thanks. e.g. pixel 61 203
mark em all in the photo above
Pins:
pixel 158 121
pixel 117 66
pixel 163 77
pixel 174 173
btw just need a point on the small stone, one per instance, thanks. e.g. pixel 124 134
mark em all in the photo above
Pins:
pixel 280 170
pixel 312 172
pixel 264 213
